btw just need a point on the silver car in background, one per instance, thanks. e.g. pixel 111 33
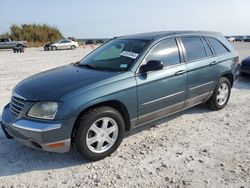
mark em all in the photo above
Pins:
pixel 64 44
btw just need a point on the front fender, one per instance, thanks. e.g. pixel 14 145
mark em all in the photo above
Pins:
pixel 123 91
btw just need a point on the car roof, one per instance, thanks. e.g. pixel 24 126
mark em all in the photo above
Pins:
pixel 160 34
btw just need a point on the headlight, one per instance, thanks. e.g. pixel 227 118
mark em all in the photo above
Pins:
pixel 44 110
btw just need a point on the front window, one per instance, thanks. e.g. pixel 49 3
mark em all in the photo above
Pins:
pixel 166 51
pixel 116 55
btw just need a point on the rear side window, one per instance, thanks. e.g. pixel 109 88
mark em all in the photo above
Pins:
pixel 166 52
pixel 218 47
pixel 194 48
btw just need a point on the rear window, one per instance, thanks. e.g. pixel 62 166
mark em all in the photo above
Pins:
pixel 218 47
pixel 194 48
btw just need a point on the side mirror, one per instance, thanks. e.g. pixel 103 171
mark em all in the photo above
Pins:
pixel 152 65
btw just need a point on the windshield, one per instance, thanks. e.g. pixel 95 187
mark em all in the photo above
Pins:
pixel 115 55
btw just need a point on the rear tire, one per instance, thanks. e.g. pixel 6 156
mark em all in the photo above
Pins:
pixel 220 95
pixel 99 133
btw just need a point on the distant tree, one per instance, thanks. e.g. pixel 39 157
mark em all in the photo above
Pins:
pixel 16 32
pixel 34 33
pixel 5 35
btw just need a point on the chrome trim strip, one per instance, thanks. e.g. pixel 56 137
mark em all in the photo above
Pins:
pixel 35 126
pixel 159 99
pixel 16 105
pixel 12 98
pixel 12 110
pixel 158 114
pixel 168 111
pixel 196 87
pixel 17 108
pixel 18 96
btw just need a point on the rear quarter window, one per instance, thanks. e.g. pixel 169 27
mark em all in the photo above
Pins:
pixel 218 47
pixel 207 48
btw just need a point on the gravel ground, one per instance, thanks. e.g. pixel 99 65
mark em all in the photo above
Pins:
pixel 194 148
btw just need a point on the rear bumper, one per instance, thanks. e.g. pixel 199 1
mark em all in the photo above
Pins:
pixel 47 136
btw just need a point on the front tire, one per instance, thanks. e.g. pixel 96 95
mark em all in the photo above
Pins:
pixel 220 95
pixel 99 133
pixel 73 47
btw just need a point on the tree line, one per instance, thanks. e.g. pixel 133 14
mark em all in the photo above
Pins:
pixel 33 33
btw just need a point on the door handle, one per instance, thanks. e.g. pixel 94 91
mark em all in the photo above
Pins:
pixel 180 72
pixel 213 63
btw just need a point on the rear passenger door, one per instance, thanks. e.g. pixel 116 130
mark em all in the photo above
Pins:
pixel 202 75
pixel 164 91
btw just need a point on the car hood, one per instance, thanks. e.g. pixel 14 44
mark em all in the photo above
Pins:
pixel 55 83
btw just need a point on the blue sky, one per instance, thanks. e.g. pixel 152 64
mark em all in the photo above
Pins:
pixel 109 18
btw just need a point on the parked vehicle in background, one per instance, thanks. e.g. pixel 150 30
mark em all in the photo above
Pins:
pixel 245 66
pixel 231 39
pixel 239 39
pixel 89 42
pixel 61 44
pixel 6 43
pixel 72 38
pixel 18 49
pixel 126 83
pixel 48 46
pixel 247 39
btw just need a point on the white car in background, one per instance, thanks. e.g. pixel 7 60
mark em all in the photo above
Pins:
pixel 231 39
pixel 64 44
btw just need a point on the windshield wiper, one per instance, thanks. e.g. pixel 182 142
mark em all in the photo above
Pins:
pixel 86 65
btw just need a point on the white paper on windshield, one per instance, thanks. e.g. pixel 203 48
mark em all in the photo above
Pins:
pixel 129 54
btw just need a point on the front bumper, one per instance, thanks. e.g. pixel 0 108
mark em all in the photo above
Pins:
pixel 48 136
pixel 244 70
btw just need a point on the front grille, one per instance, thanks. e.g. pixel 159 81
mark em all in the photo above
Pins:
pixel 16 105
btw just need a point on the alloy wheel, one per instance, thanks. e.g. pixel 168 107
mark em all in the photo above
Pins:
pixel 223 93
pixel 102 135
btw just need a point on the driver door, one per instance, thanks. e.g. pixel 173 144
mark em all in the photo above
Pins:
pixel 61 45
pixel 162 92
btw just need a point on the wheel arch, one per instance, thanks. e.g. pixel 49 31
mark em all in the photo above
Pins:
pixel 118 105
pixel 230 77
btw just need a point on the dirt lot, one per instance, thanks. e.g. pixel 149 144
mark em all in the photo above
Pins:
pixel 195 148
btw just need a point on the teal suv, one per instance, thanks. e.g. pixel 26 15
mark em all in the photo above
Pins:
pixel 124 84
